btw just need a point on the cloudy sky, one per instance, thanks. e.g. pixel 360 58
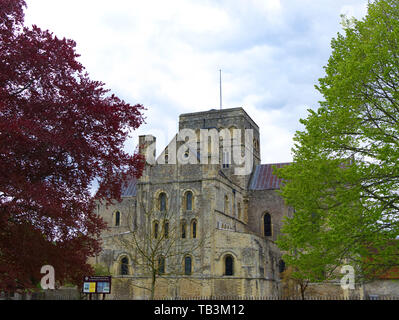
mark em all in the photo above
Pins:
pixel 166 55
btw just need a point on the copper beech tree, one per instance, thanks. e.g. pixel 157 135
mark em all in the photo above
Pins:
pixel 59 132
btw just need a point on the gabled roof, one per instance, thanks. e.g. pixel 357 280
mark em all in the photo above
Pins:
pixel 129 188
pixel 264 179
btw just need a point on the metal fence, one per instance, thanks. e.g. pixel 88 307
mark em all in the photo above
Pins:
pixel 355 297
pixel 256 298
pixel 61 294
pixel 74 294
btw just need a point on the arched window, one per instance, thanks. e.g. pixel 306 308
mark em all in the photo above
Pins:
pixel 124 266
pixel 281 266
pixel 189 200
pixel 186 154
pixel 233 141
pixel 156 229
pixel 226 204
pixel 161 265
pixel 226 159
pixel 166 229
pixel 117 218
pixel 228 265
pixel 187 265
pixel 183 229
pixel 162 201
pixel 256 144
pixel 198 135
pixel 194 229
pixel 267 225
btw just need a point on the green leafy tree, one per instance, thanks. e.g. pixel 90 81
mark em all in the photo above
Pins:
pixel 294 283
pixel 344 181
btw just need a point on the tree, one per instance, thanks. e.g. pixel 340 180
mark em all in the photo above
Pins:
pixel 156 247
pixel 100 270
pixel 344 180
pixel 293 282
pixel 59 132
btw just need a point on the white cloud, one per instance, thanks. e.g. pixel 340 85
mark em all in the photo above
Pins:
pixel 166 55
pixel 356 10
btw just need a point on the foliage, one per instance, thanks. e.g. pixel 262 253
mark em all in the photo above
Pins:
pixel 294 283
pixel 344 180
pixel 59 131
pixel 100 270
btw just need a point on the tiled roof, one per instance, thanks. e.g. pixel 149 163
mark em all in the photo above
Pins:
pixel 264 179
pixel 129 188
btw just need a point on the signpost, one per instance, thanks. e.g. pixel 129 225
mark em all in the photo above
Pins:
pixel 97 285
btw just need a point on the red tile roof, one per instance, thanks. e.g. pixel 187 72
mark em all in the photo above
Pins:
pixel 264 179
pixel 391 274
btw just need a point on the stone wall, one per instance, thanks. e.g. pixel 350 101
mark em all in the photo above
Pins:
pixel 228 220
pixel 382 288
pixel 262 201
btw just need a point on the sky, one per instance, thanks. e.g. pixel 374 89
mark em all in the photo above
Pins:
pixel 167 55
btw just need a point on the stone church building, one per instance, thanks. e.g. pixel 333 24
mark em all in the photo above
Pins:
pixel 220 226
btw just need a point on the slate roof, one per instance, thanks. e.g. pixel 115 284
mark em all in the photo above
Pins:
pixel 129 189
pixel 263 177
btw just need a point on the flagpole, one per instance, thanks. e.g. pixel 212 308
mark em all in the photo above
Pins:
pixel 220 85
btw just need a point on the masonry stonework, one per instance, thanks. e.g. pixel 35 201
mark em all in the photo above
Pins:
pixel 237 219
pixel 228 210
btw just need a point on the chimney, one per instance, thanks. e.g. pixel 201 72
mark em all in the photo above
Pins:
pixel 147 147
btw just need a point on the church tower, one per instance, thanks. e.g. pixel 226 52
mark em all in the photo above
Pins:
pixel 238 146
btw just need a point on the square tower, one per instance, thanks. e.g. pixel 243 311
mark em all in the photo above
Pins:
pixel 234 124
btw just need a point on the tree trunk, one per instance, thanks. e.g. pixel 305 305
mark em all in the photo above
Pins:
pixel 153 279
pixel 303 287
pixel 303 294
